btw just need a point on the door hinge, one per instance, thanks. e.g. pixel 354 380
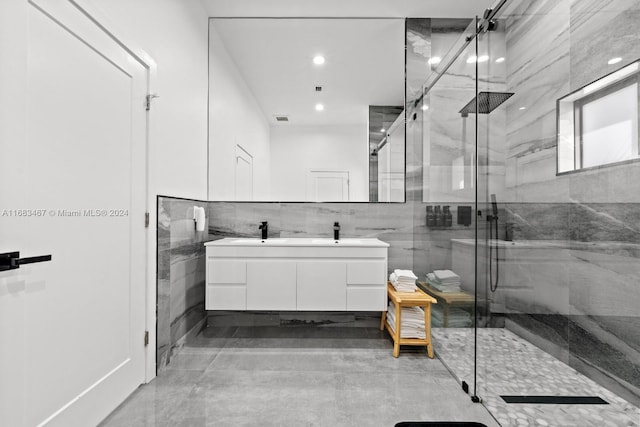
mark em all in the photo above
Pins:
pixel 146 338
pixel 146 220
pixel 148 98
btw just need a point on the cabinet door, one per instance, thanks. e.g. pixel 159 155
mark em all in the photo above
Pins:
pixel 367 273
pixel 366 286
pixel 226 271
pixel 271 285
pixel 226 297
pixel 322 285
pixel 226 289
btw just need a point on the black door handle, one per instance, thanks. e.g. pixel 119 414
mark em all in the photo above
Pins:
pixel 12 260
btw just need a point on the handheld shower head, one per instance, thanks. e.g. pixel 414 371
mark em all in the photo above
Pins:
pixel 494 206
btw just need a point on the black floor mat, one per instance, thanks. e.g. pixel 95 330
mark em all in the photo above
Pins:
pixel 563 400
pixel 439 424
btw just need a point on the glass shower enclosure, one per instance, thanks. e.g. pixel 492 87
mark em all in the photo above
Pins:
pixel 529 127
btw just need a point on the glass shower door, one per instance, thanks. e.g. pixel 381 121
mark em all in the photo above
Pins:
pixel 553 247
pixel 447 211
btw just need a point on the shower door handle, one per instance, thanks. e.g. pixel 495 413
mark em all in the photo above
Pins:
pixel 12 260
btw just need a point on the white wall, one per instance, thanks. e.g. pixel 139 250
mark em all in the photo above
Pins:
pixel 235 118
pixel 297 149
pixel 174 34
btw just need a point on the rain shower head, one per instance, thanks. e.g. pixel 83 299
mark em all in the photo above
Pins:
pixel 487 102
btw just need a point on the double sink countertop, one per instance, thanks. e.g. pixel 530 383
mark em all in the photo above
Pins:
pixel 299 241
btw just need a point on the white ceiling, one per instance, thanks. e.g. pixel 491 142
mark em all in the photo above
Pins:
pixel 364 66
pixel 348 8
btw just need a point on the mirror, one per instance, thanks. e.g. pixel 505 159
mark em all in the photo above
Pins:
pixel 306 109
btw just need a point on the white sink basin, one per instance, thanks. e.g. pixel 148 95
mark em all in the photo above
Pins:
pixel 351 241
pixel 297 242
pixel 336 242
pixel 321 241
pixel 260 241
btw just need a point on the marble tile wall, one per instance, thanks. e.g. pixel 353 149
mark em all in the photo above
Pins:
pixel 180 275
pixel 553 48
pixel 574 293
pixel 392 223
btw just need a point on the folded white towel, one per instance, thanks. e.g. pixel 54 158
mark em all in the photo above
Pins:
pixel 404 287
pixel 405 274
pixel 403 280
pixel 412 321
pixel 446 276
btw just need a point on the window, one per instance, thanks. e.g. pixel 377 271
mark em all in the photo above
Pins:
pixel 598 125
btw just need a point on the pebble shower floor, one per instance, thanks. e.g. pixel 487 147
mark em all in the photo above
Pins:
pixel 510 365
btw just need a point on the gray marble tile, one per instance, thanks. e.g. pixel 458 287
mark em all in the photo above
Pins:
pixel 538 72
pixel 615 222
pixel 392 223
pixel 539 221
pixel 163 326
pixel 418 53
pixel 599 29
pixel 181 275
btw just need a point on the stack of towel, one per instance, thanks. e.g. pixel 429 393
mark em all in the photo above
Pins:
pixel 458 317
pixel 403 280
pixel 444 280
pixel 412 319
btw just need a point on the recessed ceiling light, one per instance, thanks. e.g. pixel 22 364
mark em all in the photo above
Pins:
pixel 383 130
pixel 483 58
pixel 472 59
pixel 319 107
pixel 499 60
pixel 435 60
pixel 522 108
pixel 318 59
pixel 425 107
pixel 614 60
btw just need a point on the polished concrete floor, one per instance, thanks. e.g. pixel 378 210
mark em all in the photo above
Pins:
pixel 297 376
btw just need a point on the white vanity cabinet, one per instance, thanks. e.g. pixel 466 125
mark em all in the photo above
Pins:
pixel 322 285
pixel 226 284
pixel 296 274
pixel 271 284
pixel 363 291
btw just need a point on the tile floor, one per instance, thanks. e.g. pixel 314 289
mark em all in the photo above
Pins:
pixel 510 365
pixel 297 376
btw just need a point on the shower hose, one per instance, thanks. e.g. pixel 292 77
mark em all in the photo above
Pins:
pixel 492 242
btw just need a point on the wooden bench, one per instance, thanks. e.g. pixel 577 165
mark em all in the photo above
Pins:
pixel 448 299
pixel 408 299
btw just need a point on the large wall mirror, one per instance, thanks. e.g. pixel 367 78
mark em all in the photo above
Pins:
pixel 306 109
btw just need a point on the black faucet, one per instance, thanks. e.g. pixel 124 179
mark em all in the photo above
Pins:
pixel 336 231
pixel 265 229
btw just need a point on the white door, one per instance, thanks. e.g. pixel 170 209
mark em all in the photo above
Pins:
pixel 244 175
pixel 328 186
pixel 72 184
